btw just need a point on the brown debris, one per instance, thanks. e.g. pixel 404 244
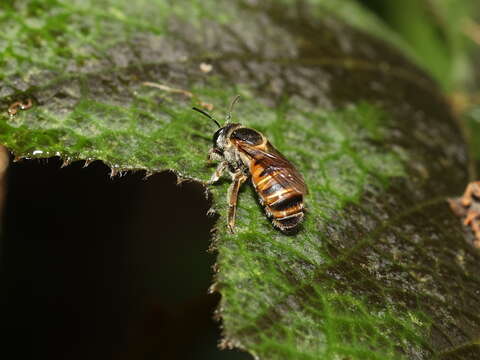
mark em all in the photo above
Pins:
pixel 19 105
pixel 4 162
pixel 168 89
pixel 467 207
pixel 186 93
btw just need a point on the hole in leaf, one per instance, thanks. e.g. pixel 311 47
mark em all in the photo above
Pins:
pixel 97 268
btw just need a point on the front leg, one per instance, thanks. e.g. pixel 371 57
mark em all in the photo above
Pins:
pixel 213 156
pixel 218 172
pixel 238 179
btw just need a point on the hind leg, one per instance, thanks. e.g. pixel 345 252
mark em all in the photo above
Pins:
pixel 238 179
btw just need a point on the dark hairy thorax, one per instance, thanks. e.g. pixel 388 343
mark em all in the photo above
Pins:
pixel 247 135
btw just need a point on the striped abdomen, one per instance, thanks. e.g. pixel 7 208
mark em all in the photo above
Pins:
pixel 283 203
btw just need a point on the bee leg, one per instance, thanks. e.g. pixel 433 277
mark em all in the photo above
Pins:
pixel 218 172
pixel 213 156
pixel 238 179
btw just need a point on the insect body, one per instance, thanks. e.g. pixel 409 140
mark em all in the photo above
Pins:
pixel 245 153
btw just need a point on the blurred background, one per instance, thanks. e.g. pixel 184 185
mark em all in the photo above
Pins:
pixel 69 231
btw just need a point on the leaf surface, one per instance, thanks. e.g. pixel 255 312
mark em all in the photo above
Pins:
pixel 381 268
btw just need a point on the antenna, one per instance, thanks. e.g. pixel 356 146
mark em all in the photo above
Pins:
pixel 229 114
pixel 207 115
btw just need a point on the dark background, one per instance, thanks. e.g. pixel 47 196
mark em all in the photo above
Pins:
pixel 94 266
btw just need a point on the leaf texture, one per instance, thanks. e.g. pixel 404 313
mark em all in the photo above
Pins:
pixel 381 268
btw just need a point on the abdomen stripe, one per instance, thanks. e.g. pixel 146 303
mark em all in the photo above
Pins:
pixel 271 190
pixel 287 202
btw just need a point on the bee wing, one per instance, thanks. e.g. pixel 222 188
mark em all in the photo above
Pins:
pixel 273 161
pixel 288 175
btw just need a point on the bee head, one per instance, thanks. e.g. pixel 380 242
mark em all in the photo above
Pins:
pixel 216 136
pixel 221 135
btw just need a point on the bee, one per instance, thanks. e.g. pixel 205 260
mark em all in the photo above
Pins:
pixel 246 153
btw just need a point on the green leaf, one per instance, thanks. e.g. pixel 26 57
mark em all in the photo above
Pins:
pixel 380 269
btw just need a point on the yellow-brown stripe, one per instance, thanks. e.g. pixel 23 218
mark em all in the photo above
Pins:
pixel 284 204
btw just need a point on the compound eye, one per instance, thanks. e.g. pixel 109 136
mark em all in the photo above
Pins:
pixel 215 136
pixel 247 135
